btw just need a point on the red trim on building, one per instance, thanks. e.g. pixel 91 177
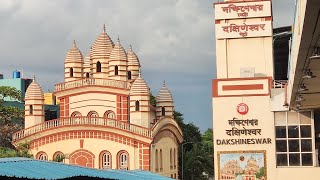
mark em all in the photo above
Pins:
pixel 81 143
pixel 242 87
pixel 83 134
pixel 268 18
pixel 82 157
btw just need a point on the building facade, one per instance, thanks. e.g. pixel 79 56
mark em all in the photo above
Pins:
pixel 106 119
pixel 17 81
pixel 256 135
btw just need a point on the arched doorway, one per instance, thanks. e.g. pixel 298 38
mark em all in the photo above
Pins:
pixel 82 157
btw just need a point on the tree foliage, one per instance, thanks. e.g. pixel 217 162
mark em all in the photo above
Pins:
pixel 197 151
pixel 22 150
pixel 6 91
pixel 10 117
pixel 198 163
pixel 153 100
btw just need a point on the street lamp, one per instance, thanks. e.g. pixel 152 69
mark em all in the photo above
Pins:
pixel 182 152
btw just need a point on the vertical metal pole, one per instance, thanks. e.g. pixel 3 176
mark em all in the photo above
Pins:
pixel 182 163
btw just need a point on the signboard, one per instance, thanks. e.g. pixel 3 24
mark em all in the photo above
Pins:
pixel 242 10
pixel 246 128
pixel 243 30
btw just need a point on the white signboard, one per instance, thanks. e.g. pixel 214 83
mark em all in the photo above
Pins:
pixel 238 10
pixel 243 30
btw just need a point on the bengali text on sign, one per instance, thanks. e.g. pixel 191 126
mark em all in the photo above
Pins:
pixel 243 30
pixel 243 10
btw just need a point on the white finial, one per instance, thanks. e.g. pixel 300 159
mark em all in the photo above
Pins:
pixel 104 28
pixel 130 47
pixel 34 77
pixel 118 39
pixel 164 83
pixel 74 43
pixel 139 72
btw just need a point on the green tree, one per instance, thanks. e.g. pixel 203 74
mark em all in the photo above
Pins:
pixel 207 140
pixel 260 173
pixel 197 151
pixel 153 100
pixel 22 150
pixel 11 118
pixel 198 163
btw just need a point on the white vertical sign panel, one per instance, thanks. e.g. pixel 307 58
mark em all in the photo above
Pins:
pixel 236 10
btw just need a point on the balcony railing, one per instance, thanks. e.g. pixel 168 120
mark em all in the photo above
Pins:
pixel 91 81
pixel 74 121
pixel 279 83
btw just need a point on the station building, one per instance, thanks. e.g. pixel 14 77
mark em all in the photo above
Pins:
pixel 106 117
pixel 266 106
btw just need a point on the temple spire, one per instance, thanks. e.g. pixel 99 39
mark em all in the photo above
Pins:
pixel 104 28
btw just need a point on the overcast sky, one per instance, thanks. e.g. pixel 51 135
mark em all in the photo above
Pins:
pixel 174 40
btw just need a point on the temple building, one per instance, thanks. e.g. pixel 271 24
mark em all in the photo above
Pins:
pixel 106 118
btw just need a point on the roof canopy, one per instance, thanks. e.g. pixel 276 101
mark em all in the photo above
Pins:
pixel 36 169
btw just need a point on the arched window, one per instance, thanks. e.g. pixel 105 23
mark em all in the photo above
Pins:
pixel 157 161
pixel 71 72
pixel 58 156
pixel 123 160
pixel 75 116
pixel 93 114
pixel 42 156
pixel 161 163
pixel 129 75
pixel 163 111
pixel 109 115
pixel 30 109
pixel 105 160
pixel 137 105
pixel 116 70
pixel 171 165
pixel 87 75
pixel 98 66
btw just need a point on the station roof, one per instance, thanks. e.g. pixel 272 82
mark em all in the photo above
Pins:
pixel 35 169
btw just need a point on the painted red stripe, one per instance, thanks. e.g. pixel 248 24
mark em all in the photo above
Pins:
pixel 242 87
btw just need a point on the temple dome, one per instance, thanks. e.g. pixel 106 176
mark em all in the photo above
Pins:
pixel 132 58
pixel 34 91
pixel 164 94
pixel 74 54
pixel 118 53
pixel 139 87
pixel 102 46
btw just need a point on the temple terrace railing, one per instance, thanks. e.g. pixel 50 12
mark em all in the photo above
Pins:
pixel 91 81
pixel 74 121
